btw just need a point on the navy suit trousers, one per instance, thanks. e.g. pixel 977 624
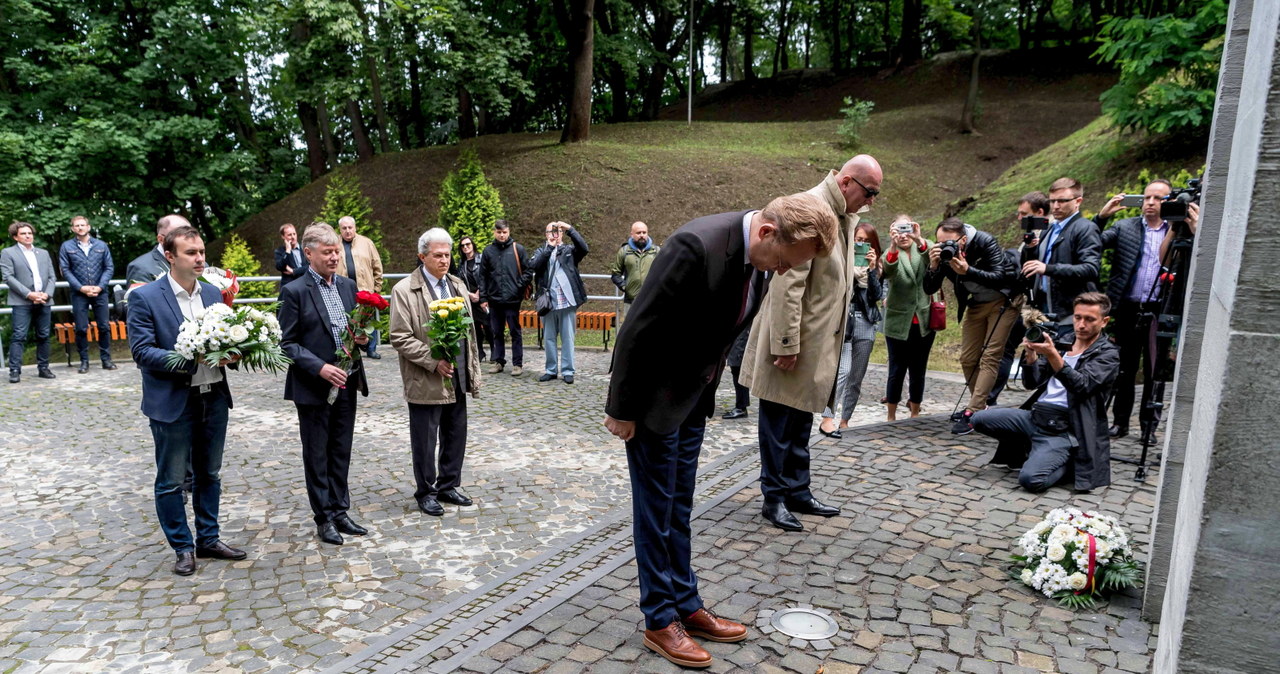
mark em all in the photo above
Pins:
pixel 664 470
pixel 784 452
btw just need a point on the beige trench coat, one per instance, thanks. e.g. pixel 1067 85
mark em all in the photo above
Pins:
pixel 804 315
pixel 368 264
pixel 409 317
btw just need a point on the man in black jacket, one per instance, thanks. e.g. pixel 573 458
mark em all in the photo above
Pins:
pixel 1037 204
pixel 555 268
pixel 290 261
pixel 1134 290
pixel 1062 429
pixel 700 293
pixel 1068 258
pixel 504 274
pixel 982 280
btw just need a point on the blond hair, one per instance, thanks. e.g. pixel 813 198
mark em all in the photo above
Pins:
pixel 802 217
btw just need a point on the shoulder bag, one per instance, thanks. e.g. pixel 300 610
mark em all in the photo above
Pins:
pixel 938 312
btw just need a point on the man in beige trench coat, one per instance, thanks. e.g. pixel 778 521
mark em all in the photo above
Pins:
pixel 794 350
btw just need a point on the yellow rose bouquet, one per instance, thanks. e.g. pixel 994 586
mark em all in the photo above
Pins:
pixel 448 326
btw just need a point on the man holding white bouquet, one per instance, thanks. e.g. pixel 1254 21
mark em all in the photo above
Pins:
pixel 314 312
pixel 187 405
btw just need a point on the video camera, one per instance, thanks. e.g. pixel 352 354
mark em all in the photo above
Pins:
pixel 1031 224
pixel 1174 206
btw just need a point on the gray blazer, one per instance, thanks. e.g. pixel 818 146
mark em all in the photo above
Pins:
pixel 17 274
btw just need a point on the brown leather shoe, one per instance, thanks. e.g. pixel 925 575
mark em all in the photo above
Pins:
pixel 674 644
pixel 704 624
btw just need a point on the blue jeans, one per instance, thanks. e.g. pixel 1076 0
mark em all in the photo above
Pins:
pixel 197 437
pixel 80 305
pixel 24 316
pixel 560 323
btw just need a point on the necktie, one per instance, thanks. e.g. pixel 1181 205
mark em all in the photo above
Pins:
pixel 444 291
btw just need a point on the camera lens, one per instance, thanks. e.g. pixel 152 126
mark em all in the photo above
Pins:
pixel 1035 334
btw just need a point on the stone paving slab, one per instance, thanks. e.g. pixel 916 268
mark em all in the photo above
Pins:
pixel 85 575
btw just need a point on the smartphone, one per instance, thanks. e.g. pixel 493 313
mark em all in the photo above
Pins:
pixel 860 250
pixel 1131 201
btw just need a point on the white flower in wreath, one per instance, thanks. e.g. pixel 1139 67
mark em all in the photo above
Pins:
pixel 1056 552
pixel 1077 581
pixel 1027 576
pixel 238 333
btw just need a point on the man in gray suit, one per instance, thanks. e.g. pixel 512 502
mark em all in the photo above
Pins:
pixel 28 271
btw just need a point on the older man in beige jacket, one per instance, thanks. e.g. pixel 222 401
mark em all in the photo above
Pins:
pixel 434 408
pixel 361 262
pixel 794 350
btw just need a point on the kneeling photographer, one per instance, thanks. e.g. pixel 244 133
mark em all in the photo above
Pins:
pixel 982 278
pixel 1062 429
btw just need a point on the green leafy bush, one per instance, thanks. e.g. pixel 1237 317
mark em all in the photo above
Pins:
pixel 855 114
pixel 237 258
pixel 343 198
pixel 468 202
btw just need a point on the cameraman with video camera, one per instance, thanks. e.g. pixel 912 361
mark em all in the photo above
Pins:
pixel 1061 430
pixel 1068 258
pixel 976 266
pixel 1134 289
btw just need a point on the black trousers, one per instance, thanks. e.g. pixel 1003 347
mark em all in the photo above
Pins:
pixel 1133 336
pixel 484 331
pixel 434 474
pixel 506 315
pixel 326 432
pixel 784 452
pixel 741 394
pixel 910 355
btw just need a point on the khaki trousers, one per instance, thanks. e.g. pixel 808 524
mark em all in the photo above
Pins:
pixel 982 366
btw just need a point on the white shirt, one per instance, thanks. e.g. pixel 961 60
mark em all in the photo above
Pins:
pixel 85 246
pixel 435 283
pixel 1056 394
pixel 29 252
pixel 192 306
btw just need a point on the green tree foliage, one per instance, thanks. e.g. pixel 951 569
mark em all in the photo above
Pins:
pixel 237 258
pixel 468 202
pixel 343 198
pixel 1168 69
pixel 856 114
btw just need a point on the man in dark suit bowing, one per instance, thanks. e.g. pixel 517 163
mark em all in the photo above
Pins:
pixel 187 407
pixel 700 293
pixel 313 318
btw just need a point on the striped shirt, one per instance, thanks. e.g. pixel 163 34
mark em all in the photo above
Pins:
pixel 1144 287
pixel 333 303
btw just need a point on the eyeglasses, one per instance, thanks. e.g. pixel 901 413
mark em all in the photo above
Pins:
pixel 1062 201
pixel 871 194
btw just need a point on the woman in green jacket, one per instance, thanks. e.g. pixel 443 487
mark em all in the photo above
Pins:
pixel 906 314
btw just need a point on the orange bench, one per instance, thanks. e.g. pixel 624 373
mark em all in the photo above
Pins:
pixel 66 334
pixel 604 321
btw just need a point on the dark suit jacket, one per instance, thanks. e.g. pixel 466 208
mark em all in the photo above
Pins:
pixel 146 268
pixel 284 259
pixel 154 319
pixel 1074 265
pixel 671 350
pixel 1126 237
pixel 304 322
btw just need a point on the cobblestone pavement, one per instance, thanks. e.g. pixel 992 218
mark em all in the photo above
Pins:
pixel 86 582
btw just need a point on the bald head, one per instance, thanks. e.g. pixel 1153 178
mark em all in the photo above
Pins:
pixel 859 181
pixel 167 223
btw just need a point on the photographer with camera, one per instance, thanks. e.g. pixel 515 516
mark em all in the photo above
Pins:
pixel 1033 215
pixel 1061 430
pixel 975 264
pixel 906 314
pixel 1068 258
pixel 559 294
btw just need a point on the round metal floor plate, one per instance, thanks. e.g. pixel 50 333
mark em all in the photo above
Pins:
pixel 804 623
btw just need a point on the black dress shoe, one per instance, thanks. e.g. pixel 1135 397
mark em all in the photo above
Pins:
pixel 735 413
pixel 186 564
pixel 1118 431
pixel 84 367
pixel 108 365
pixel 346 525
pixel 780 517
pixel 14 376
pixel 813 507
pixel 546 377
pixel 431 506
pixel 46 373
pixel 220 550
pixel 329 533
pixel 454 496
pixel 568 379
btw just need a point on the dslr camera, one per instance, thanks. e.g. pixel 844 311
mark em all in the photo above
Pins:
pixel 1037 331
pixel 948 250
pixel 1174 206
pixel 1030 225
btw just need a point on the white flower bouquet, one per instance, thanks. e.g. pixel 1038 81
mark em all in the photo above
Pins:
pixel 1075 556
pixel 224 280
pixel 221 332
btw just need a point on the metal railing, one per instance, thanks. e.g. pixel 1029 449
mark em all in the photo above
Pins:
pixel 113 283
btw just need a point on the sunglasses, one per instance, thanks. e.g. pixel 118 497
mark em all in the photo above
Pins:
pixel 871 194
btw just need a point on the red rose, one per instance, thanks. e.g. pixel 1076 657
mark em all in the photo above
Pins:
pixel 369 299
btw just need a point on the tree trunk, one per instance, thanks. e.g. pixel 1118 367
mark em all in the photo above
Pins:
pixel 581 38
pixel 780 45
pixel 359 132
pixel 971 100
pixel 311 136
pixel 910 47
pixel 416 118
pixel 615 74
pixel 466 120
pixel 326 132
pixel 724 31
pixel 748 45
pixel 375 83
pixel 200 218
pixel 808 29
